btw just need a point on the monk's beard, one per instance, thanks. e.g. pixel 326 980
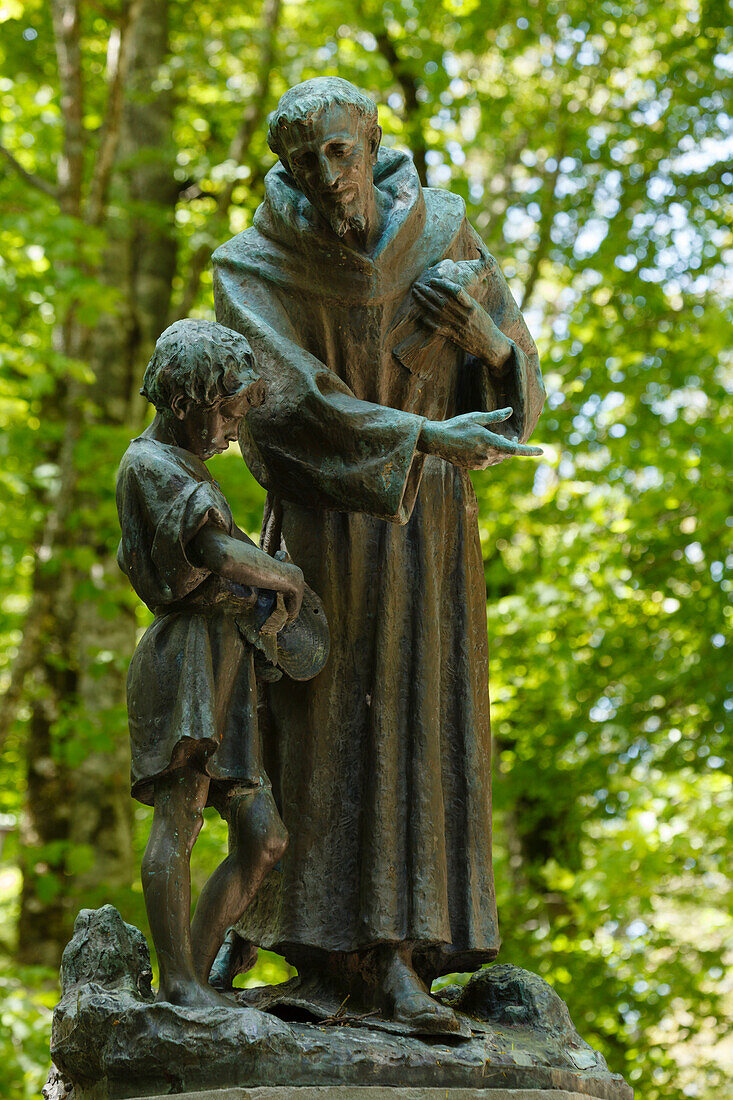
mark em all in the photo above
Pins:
pixel 357 222
pixel 342 218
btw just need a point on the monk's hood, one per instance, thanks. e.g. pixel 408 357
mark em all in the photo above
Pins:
pixel 289 246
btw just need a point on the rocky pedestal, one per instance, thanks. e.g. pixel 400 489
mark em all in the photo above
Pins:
pixel 112 1041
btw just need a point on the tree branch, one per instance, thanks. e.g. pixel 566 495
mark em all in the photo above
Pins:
pixel 547 217
pixel 30 178
pixel 25 660
pixel 549 207
pixel 102 9
pixel 503 176
pixel 68 55
pixel 409 88
pixel 238 150
pixel 112 125
pixel 408 83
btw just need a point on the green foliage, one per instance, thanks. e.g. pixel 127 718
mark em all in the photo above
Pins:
pixel 592 145
pixel 27 997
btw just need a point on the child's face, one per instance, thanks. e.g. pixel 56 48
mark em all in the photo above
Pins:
pixel 208 430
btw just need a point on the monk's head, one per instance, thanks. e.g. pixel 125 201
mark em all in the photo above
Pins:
pixel 326 134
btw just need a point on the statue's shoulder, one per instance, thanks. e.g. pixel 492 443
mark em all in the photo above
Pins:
pixel 444 202
pixel 142 451
pixel 446 209
pixel 138 454
pixel 445 215
pixel 145 457
pixel 237 247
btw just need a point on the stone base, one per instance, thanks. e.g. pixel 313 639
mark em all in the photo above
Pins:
pixel 112 1041
pixel 113 1048
pixel 373 1092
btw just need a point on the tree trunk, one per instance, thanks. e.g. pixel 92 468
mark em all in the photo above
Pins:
pixel 77 834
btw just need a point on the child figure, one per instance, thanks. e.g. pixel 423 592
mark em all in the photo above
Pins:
pixel 191 687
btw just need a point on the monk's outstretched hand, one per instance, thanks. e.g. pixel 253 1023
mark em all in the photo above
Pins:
pixel 468 441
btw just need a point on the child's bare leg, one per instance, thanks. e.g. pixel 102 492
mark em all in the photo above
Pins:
pixel 166 876
pixel 235 956
pixel 257 840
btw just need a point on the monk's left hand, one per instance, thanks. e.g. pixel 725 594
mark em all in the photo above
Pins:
pixel 450 310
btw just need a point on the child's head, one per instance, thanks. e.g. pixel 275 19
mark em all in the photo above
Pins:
pixel 202 375
pixel 201 363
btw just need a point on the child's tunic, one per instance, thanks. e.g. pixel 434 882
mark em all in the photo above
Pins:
pixel 191 694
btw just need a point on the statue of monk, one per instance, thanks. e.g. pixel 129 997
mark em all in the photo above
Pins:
pixel 396 362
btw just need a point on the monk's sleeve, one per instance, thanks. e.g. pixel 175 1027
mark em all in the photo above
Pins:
pixel 520 383
pixel 313 441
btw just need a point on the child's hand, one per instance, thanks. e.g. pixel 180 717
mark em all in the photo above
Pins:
pixel 244 563
pixel 277 619
pixel 292 587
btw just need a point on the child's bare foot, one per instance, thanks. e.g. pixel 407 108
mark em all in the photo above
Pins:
pixel 189 993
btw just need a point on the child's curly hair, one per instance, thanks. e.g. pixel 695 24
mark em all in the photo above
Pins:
pixel 203 361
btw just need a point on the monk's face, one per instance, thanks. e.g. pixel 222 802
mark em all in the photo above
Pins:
pixel 331 159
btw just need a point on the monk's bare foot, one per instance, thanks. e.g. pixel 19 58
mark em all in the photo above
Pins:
pixel 410 1003
pixel 192 994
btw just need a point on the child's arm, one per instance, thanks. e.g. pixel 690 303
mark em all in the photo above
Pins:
pixel 245 563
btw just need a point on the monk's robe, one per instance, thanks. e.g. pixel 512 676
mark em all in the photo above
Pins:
pixel 381 764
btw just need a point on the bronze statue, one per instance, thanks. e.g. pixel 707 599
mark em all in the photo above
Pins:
pixel 192 701
pixel 391 360
pixel 396 361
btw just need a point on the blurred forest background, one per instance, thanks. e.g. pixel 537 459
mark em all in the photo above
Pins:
pixel 593 145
